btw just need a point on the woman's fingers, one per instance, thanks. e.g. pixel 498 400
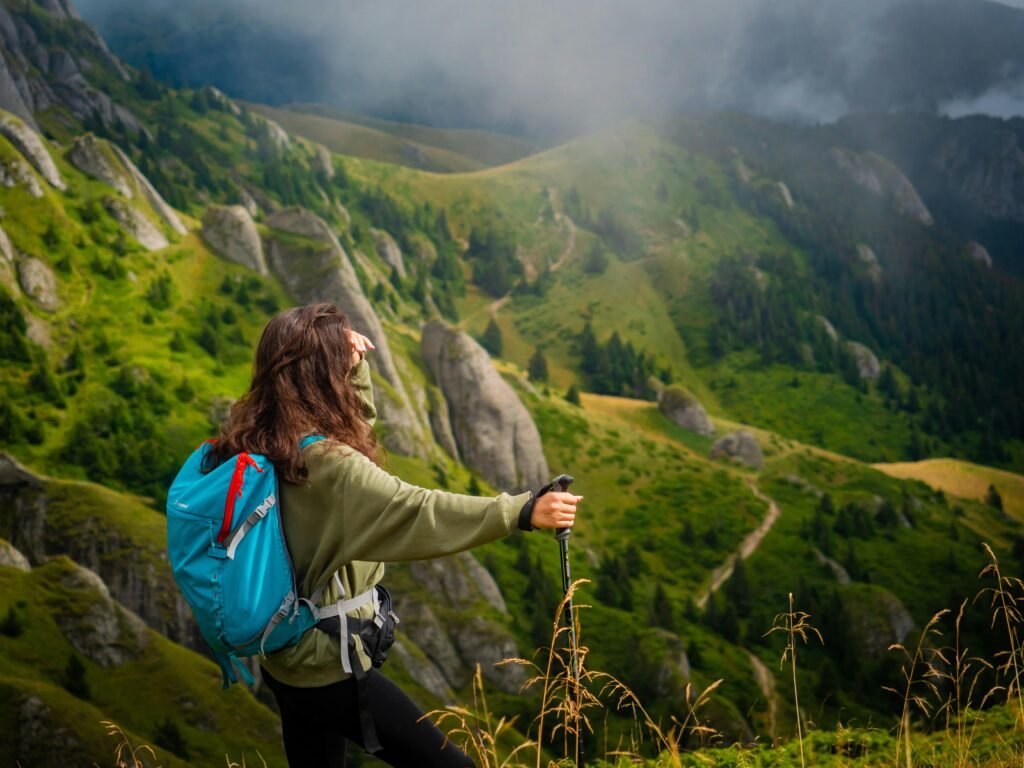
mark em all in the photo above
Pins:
pixel 556 510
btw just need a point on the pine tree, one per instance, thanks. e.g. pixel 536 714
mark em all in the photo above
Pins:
pixel 538 366
pixel 661 613
pixel 573 395
pixel 11 625
pixel 993 499
pixel 75 682
pixel 737 589
pixel 492 340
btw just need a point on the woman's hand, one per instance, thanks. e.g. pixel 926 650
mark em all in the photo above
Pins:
pixel 555 509
pixel 360 346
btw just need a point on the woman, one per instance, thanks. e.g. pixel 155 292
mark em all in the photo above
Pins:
pixel 345 515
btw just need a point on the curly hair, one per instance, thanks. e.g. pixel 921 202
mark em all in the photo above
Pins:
pixel 300 386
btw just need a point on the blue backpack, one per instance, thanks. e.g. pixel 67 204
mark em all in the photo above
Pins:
pixel 228 553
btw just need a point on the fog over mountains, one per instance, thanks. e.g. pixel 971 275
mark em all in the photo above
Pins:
pixel 565 67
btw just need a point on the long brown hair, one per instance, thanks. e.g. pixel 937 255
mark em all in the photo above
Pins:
pixel 300 386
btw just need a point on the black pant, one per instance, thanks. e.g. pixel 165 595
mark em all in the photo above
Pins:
pixel 317 721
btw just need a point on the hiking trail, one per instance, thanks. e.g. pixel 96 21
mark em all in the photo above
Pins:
pixel 746 548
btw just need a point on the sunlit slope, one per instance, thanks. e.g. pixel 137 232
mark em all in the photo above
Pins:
pixel 367 141
pixel 964 479
pixel 486 147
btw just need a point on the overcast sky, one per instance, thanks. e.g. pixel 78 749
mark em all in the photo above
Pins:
pixel 566 65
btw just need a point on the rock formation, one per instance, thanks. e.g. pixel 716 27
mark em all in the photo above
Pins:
pixel 875 619
pixel 682 408
pixel 16 173
pixel 388 250
pixel 154 198
pixel 739 446
pixel 868 366
pixel 827 326
pixel 7 275
pixel 39 283
pixel 495 434
pixel 94 158
pixel 322 162
pixel 27 141
pixel 867 257
pixel 979 253
pixel 784 193
pixel 883 179
pixel 136 224
pixel 230 230
pixel 10 557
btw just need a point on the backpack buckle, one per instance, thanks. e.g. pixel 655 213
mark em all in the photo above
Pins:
pixel 218 551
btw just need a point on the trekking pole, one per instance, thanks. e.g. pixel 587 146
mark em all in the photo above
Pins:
pixel 562 483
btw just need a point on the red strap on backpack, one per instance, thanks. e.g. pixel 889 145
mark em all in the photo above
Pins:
pixel 242 461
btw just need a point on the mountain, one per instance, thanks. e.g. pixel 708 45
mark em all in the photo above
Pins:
pixel 803 291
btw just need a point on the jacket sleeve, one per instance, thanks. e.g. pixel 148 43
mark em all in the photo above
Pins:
pixel 385 519
pixel 359 379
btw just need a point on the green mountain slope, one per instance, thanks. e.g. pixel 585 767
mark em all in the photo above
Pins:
pixel 635 258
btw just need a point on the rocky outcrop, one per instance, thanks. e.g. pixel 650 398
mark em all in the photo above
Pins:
pixel 422 670
pixel 44 518
pixel 460 579
pixel 7 273
pixel 277 135
pixel 420 622
pixel 322 162
pixel 10 557
pixel 827 326
pixel 682 408
pixel 874 619
pixel 739 446
pixel 441 423
pixel 27 141
pixel 984 168
pixel 482 642
pixel 494 432
pixel 38 332
pixel 868 366
pixel 980 254
pixel 321 271
pixel 669 670
pixel 135 223
pixel 108 163
pixel 784 194
pixel 39 283
pixel 94 158
pixel 839 573
pixel 154 198
pixel 16 173
pixel 219 97
pixel 230 230
pixel 869 260
pixel 388 250
pixel 94 623
pixel 883 179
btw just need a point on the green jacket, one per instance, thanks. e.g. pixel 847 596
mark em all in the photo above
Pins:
pixel 352 516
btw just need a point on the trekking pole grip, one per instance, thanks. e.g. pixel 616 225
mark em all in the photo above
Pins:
pixel 562 483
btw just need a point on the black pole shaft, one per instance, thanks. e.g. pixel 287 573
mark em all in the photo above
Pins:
pixel 562 482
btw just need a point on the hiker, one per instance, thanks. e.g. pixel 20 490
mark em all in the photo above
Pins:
pixel 344 517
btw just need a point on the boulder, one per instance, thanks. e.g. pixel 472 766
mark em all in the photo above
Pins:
pixel 979 253
pixel 493 430
pixel 867 257
pixel 10 557
pixel 16 173
pixel 37 331
pixel 420 622
pixel 874 619
pixel 94 623
pixel 94 157
pixel 739 446
pixel 230 230
pixel 246 201
pixel 39 283
pixel 868 366
pixel 277 134
pixel 221 98
pixel 7 276
pixel 388 250
pixel 460 579
pixel 682 408
pixel 136 224
pixel 31 146
pixel 883 179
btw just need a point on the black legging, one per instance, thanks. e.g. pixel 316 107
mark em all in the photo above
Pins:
pixel 317 721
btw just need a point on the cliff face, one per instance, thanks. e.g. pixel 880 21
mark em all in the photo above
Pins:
pixel 495 434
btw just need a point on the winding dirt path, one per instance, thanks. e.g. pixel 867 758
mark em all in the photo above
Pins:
pixel 746 548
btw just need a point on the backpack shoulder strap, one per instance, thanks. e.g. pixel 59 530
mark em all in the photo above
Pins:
pixel 308 440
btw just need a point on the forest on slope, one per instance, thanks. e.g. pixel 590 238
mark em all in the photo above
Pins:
pixel 151 233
